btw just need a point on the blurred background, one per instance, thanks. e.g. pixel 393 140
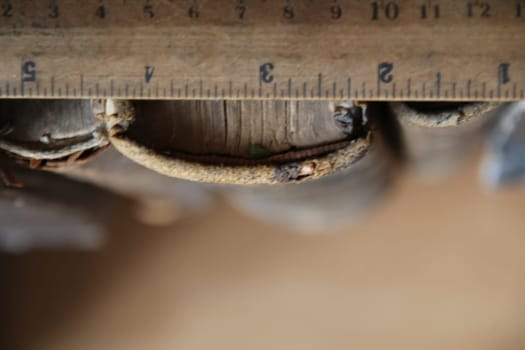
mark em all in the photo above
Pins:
pixel 433 266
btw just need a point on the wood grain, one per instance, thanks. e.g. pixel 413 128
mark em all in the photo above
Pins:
pixel 468 53
pixel 242 129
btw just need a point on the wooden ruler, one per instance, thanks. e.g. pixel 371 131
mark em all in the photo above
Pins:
pixel 263 49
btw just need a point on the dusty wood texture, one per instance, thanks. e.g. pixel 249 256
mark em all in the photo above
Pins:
pixel 243 129
pixel 264 50
pixel 227 153
pixel 50 129
pixel 438 137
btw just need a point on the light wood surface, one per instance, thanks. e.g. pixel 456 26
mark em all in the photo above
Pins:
pixel 373 50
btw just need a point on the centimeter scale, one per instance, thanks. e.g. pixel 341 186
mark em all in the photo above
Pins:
pixel 263 49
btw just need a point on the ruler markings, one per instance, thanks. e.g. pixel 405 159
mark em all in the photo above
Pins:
pixel 305 89
pixel 438 84
pixel 319 84
pixel 471 91
pixel 488 78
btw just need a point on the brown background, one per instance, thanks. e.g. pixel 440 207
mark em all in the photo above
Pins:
pixel 433 267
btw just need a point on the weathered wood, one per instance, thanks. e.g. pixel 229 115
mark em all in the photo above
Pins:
pixel 244 129
pixel 369 50
pixel 248 154
pixel 49 129
pixel 437 138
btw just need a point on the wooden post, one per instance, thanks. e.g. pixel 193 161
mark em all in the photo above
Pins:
pixel 437 137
